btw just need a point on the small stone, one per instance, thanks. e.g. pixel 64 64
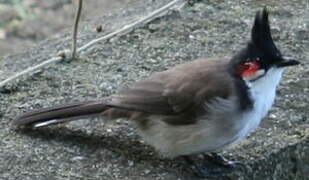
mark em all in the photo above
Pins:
pixel 192 36
pixel 77 158
pixel 130 163
pixel 153 27
pixel 99 28
pixel 147 171
pixel 273 116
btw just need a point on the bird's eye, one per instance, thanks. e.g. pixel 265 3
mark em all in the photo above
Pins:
pixel 249 68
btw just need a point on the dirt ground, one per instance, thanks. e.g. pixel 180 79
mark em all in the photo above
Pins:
pixel 24 23
pixel 93 149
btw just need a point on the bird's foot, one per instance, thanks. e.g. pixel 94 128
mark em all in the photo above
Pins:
pixel 221 161
pixel 201 171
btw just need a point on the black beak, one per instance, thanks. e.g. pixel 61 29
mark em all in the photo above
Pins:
pixel 287 61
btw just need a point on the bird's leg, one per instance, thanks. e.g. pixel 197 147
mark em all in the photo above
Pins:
pixel 220 160
pixel 201 171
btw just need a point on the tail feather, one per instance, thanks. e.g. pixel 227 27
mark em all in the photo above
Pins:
pixel 59 114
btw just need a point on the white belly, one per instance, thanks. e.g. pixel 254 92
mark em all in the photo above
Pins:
pixel 210 133
pixel 204 136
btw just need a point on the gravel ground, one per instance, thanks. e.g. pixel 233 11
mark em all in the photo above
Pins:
pixel 92 149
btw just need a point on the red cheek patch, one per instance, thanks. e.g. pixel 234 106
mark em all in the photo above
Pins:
pixel 249 69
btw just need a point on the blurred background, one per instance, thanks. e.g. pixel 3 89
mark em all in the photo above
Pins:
pixel 25 22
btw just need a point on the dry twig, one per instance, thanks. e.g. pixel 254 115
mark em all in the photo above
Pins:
pixel 75 27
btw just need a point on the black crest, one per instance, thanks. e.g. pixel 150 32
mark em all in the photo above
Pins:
pixel 261 36
pixel 261 46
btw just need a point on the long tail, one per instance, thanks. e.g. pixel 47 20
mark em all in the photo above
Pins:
pixel 60 114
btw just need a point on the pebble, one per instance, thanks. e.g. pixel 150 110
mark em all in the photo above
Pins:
pixel 130 163
pixel 77 158
pixel 147 171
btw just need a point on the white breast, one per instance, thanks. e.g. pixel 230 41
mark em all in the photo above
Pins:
pixel 263 93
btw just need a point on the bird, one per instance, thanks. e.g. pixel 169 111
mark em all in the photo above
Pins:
pixel 203 106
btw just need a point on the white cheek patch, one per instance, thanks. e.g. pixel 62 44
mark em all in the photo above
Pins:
pixel 255 76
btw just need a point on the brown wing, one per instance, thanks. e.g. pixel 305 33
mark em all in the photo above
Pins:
pixel 177 91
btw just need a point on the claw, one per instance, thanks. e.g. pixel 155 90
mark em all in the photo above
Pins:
pixel 203 172
pixel 221 161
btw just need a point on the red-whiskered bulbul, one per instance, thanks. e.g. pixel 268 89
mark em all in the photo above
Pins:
pixel 202 106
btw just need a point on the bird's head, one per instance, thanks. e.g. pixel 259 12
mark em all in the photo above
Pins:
pixel 261 57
